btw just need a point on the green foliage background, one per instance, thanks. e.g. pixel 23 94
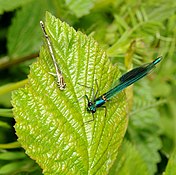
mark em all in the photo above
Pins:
pixel 132 33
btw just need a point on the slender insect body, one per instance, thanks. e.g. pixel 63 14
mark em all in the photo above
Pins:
pixel 59 76
pixel 125 80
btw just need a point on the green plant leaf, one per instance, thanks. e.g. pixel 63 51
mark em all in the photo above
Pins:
pixel 4 125
pixel 80 7
pixel 52 125
pixel 171 168
pixel 6 112
pixel 24 35
pixel 12 155
pixel 129 161
pixel 8 5
pixel 143 126
pixel 11 145
pixel 15 167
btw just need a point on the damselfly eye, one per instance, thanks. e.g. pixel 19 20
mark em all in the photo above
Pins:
pixel 89 104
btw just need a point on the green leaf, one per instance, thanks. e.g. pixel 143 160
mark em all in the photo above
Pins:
pixel 54 126
pixel 15 167
pixel 144 126
pixel 24 36
pixel 163 12
pixel 171 168
pixel 129 161
pixel 7 5
pixel 6 112
pixel 80 7
pixel 12 155
pixel 11 86
pixel 10 145
pixel 4 125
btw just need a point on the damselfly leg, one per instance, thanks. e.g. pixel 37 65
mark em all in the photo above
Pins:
pixel 91 103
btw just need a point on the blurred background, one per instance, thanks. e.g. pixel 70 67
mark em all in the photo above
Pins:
pixel 132 33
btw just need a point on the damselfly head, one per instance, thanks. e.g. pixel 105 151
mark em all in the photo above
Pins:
pixel 91 107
